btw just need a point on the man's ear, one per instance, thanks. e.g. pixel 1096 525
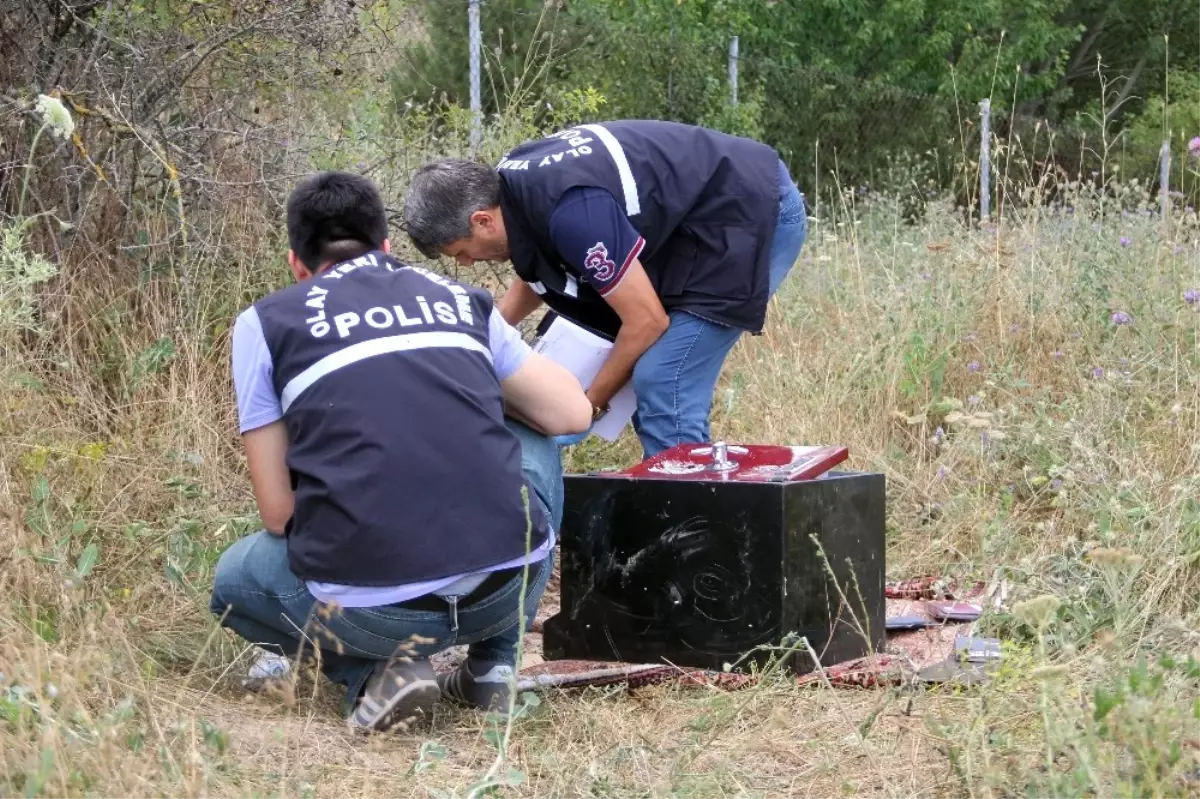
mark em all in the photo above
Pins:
pixel 299 270
pixel 483 219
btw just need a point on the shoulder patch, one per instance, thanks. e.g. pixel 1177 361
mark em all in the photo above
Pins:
pixel 598 263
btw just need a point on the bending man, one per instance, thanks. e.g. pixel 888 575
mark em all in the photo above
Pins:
pixel 666 239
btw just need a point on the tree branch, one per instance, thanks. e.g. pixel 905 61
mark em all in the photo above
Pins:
pixel 1089 41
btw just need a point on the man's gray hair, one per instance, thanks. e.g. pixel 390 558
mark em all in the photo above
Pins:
pixel 441 198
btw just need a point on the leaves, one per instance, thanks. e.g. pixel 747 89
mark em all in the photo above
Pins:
pixel 512 778
pixel 430 753
pixel 40 491
pixel 87 560
pixel 214 737
pixel 1104 701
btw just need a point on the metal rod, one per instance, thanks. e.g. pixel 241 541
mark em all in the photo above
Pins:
pixel 985 160
pixel 476 103
pixel 733 71
pixel 1165 180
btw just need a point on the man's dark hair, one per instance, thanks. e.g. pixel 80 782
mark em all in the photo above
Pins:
pixel 333 217
pixel 441 199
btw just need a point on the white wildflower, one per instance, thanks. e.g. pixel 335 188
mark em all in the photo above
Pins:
pixel 56 115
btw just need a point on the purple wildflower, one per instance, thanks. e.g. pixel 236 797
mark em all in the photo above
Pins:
pixel 974 366
pixel 1191 296
pixel 974 399
pixel 1014 328
pixel 942 473
pixel 1194 146
pixel 1120 318
pixel 971 337
pixel 1055 484
pixel 1126 241
pixel 1097 373
pixel 926 276
pixel 1057 354
pixel 939 434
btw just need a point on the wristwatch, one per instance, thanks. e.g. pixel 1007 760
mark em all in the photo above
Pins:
pixel 598 411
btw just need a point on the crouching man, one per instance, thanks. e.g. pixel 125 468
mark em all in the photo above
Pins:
pixel 404 513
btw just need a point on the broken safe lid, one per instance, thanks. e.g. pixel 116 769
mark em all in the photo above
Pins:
pixel 745 463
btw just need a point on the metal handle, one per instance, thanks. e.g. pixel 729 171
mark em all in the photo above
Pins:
pixel 721 462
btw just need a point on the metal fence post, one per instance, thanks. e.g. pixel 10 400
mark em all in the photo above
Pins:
pixel 985 159
pixel 1164 177
pixel 733 65
pixel 476 103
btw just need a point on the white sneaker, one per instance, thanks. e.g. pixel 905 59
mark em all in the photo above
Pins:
pixel 266 667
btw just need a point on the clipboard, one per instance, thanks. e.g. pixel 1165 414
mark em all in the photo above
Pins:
pixel 583 353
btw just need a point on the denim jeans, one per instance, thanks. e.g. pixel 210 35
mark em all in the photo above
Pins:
pixel 674 380
pixel 256 595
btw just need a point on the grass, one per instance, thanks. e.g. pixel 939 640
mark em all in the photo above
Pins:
pixel 1025 435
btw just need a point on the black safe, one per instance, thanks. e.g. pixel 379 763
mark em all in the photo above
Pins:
pixel 708 556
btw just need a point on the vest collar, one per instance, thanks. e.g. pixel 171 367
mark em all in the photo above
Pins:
pixel 523 250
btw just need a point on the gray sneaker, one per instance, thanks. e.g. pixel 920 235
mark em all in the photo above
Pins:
pixel 397 695
pixel 487 691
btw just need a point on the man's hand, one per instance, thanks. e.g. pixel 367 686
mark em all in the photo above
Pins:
pixel 518 302
pixel 643 320
pixel 266 454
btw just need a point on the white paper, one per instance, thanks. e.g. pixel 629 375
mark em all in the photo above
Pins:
pixel 582 354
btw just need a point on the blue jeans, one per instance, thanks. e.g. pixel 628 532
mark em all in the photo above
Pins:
pixel 674 380
pixel 256 595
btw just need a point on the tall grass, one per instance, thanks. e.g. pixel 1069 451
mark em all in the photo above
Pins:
pixel 1029 388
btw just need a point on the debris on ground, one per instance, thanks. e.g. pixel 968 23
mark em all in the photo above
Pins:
pixel 930 640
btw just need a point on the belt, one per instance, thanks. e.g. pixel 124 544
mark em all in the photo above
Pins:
pixel 494 582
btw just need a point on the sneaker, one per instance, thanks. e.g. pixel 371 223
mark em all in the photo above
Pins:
pixel 488 691
pixel 268 667
pixel 397 694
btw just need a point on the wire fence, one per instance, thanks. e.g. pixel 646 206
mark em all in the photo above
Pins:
pixel 838 130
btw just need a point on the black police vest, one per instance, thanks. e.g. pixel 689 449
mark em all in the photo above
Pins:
pixel 705 202
pixel 401 463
